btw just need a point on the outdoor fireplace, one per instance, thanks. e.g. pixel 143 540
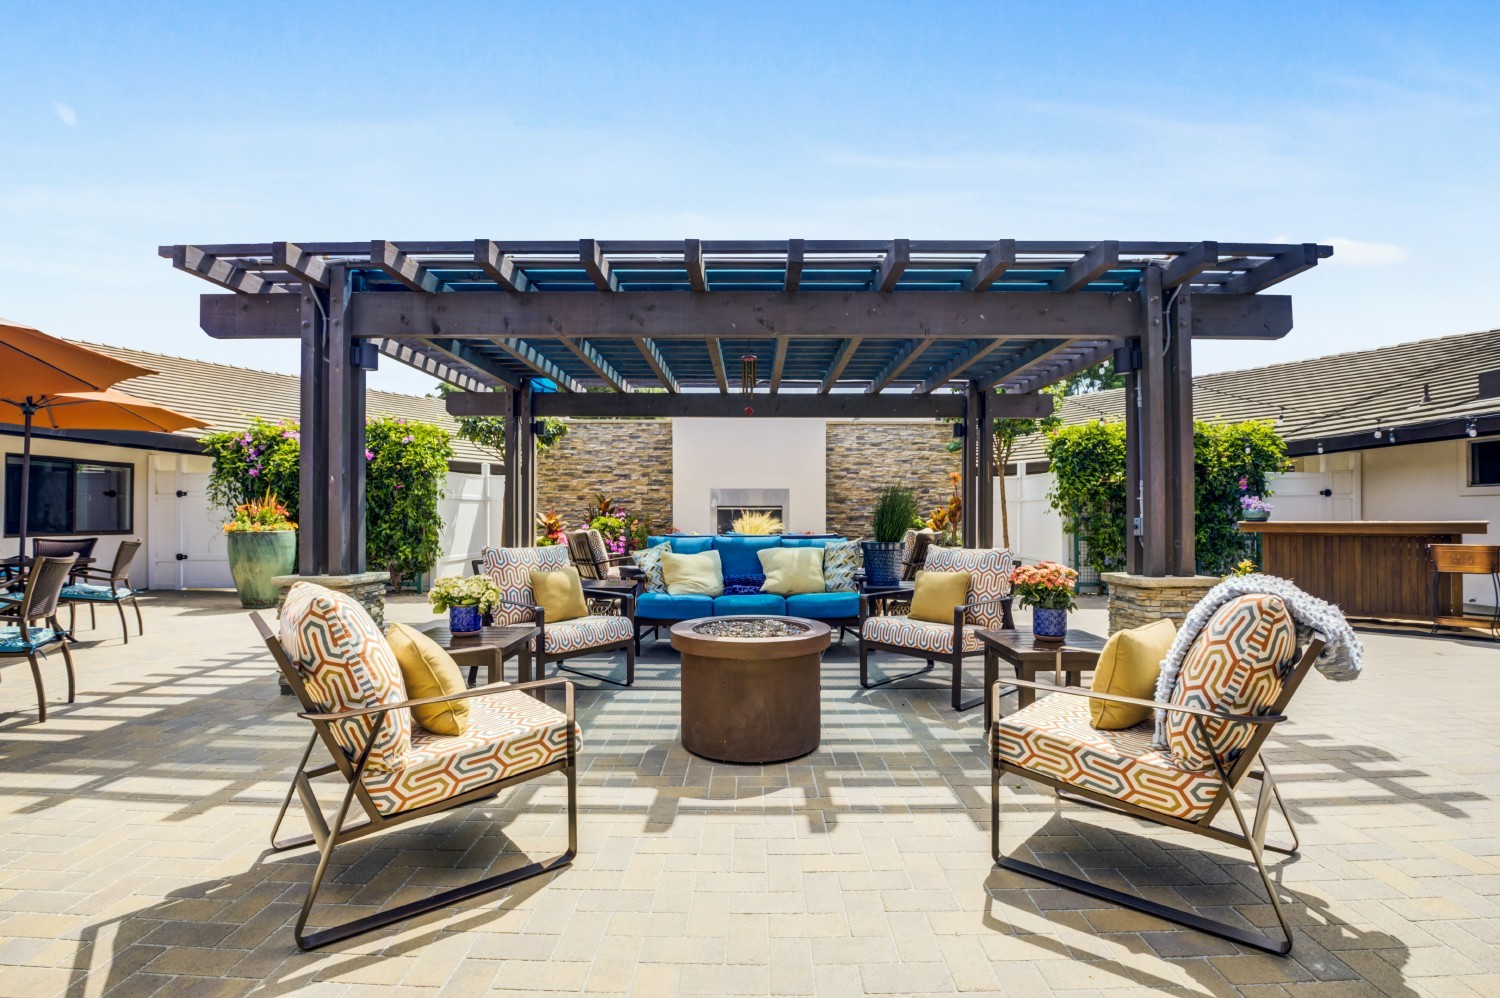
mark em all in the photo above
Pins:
pixel 725 505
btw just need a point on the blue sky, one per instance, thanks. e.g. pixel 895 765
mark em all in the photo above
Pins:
pixel 1372 125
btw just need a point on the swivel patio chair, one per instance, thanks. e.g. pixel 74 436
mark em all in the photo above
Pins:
pixel 344 674
pixel 511 569
pixel 988 606
pixel 1236 681
pixel 93 586
pixel 38 601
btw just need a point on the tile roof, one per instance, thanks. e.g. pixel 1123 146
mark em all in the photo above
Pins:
pixel 227 397
pixel 1326 396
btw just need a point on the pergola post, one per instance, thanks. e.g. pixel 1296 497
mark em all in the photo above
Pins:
pixel 344 434
pixel 511 511
pixel 968 520
pixel 312 498
pixel 984 480
pixel 526 483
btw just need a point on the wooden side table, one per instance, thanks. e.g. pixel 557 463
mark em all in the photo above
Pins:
pixel 488 647
pixel 1077 654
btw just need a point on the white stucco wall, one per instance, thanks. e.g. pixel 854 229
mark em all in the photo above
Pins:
pixel 749 454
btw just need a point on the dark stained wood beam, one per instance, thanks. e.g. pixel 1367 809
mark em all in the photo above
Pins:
pixel 716 357
pixel 657 363
pixel 193 260
pixel 1066 367
pixel 298 262
pixel 1000 258
pixel 435 362
pixel 839 405
pixel 1273 271
pixel 692 258
pixel 592 258
pixel 778 363
pixel 538 362
pixel 603 368
pixel 1095 263
pixel 897 259
pixel 794 257
pixel 966 359
pixel 1041 352
pixel 841 358
pixel 1189 265
pixel 500 267
pixel 400 265
pixel 897 364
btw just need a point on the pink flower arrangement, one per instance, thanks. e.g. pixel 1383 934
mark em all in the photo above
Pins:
pixel 1046 584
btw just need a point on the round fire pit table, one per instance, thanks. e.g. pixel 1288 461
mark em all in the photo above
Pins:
pixel 751 686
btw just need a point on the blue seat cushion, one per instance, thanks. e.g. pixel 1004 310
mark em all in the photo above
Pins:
pixel 82 590
pixel 809 542
pixel 683 543
pixel 665 606
pixel 13 643
pixel 725 606
pixel 740 555
pixel 823 606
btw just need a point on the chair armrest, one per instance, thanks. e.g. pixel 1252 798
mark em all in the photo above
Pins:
pixel 477 691
pixel 627 599
pixel 1171 708
pixel 986 602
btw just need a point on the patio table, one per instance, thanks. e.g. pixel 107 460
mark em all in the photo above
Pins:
pixel 488 646
pixel 1078 653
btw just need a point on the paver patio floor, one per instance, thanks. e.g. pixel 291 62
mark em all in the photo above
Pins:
pixel 133 833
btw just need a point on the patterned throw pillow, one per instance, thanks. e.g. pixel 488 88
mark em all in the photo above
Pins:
pixel 649 561
pixel 989 579
pixel 1237 663
pixel 346 664
pixel 840 559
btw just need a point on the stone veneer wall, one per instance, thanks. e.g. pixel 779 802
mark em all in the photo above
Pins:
pixel 1135 600
pixel 629 460
pixel 866 456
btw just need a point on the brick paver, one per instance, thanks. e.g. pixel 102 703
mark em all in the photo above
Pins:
pixel 133 855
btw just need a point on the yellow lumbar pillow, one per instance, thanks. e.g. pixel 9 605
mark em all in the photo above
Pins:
pixel 1128 667
pixel 429 672
pixel 693 574
pixel 790 571
pixel 560 594
pixel 937 595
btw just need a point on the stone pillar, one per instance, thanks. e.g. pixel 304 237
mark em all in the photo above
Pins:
pixel 1138 599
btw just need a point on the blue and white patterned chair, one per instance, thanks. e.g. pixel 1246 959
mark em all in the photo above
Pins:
pixel 38 602
pixel 511 569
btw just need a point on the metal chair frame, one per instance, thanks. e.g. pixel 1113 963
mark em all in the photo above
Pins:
pixel 117 573
pixel 41 604
pixel 955 658
pixel 582 553
pixel 1251 835
pixel 329 835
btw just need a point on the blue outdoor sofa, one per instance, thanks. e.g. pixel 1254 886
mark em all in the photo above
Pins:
pixel 742 579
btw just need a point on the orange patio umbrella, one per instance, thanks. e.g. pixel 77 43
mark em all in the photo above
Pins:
pixel 65 385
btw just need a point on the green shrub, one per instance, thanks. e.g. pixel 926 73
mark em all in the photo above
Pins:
pixel 895 513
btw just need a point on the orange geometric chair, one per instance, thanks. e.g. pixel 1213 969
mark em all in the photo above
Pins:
pixel 1237 678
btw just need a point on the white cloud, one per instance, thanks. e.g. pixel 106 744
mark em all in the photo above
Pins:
pixel 66 114
pixel 1355 253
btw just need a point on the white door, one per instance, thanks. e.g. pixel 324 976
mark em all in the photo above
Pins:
pixel 188 550
pixel 1329 490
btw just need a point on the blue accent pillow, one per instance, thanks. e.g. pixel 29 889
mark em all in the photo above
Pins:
pixel 743 585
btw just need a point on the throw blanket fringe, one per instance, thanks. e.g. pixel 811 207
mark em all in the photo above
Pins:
pixel 1341 660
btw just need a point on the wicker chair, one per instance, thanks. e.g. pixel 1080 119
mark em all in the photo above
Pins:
pixel 337 662
pixel 1247 668
pixel 38 601
pixel 93 586
pixel 61 547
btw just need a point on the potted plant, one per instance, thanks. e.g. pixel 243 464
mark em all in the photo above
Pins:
pixel 262 543
pixel 895 513
pixel 467 600
pixel 1255 509
pixel 1047 588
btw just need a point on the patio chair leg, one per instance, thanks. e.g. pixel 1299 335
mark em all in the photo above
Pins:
pixel 139 622
pixel 629 670
pixel 68 665
pixel 959 703
pixel 41 692
pixel 124 627
pixel 93 617
pixel 864 670
pixel 286 802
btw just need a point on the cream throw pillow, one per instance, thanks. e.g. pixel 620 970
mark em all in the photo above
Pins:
pixel 1128 667
pixel 693 574
pixel 791 571
pixel 429 672
pixel 560 594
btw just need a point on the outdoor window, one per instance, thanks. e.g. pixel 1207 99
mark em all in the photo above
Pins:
pixel 1484 462
pixel 70 497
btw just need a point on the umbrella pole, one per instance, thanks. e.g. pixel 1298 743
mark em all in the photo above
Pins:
pixel 27 409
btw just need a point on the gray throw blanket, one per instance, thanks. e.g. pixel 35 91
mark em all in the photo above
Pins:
pixel 1341 659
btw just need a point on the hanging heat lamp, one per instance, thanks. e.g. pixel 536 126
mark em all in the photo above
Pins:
pixel 747 379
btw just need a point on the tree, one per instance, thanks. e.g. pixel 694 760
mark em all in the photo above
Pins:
pixel 1101 377
pixel 489 431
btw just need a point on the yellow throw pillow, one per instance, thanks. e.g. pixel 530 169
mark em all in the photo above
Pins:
pixel 693 574
pixel 937 595
pixel 429 672
pixel 1128 667
pixel 791 571
pixel 559 594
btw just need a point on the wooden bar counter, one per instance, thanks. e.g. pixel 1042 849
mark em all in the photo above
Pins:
pixel 1369 568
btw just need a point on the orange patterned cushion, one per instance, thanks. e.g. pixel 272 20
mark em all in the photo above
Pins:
pixel 1237 663
pixel 508 734
pixel 1055 737
pixel 989 579
pixel 923 635
pixel 346 664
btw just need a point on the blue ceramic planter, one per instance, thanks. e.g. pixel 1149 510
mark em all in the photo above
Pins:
pixel 1049 623
pixel 882 563
pixel 462 619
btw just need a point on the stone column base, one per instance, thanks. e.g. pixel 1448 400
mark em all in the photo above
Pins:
pixel 367 589
pixel 1138 599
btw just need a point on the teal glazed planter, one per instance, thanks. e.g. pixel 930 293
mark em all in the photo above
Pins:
pixel 255 558
pixel 1257 515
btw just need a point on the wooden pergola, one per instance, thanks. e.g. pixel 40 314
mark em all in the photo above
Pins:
pixel 751 329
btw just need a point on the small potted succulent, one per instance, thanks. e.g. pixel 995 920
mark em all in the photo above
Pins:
pixel 1255 509
pixel 895 514
pixel 467 600
pixel 1047 588
pixel 262 542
